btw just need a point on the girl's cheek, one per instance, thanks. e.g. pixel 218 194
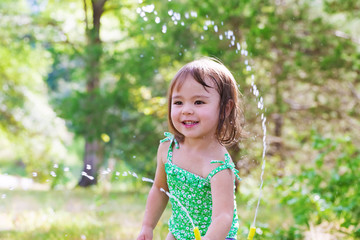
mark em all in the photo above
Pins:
pixel 173 114
pixel 174 111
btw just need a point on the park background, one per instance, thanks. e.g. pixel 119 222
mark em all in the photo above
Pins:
pixel 83 94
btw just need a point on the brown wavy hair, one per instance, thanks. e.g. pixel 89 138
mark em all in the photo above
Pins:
pixel 230 127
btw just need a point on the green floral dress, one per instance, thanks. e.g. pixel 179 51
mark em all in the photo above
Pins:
pixel 193 193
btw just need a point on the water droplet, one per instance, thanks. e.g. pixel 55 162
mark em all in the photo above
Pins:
pixel 134 175
pixel 86 175
pixel 147 180
pixel 164 28
pixel 149 8
pixel 177 16
pixel 105 172
pixel 316 197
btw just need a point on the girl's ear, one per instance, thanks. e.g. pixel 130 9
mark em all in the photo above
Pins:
pixel 229 106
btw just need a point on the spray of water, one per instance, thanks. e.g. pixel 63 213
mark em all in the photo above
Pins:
pixel 144 179
pixel 182 207
pixel 262 168
pixel 255 91
pixel 88 176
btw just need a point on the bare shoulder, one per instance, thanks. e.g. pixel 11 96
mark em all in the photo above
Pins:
pixel 220 155
pixel 217 155
pixel 224 176
pixel 162 151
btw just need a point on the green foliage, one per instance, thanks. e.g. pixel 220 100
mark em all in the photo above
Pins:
pixel 336 6
pixel 328 190
pixel 27 121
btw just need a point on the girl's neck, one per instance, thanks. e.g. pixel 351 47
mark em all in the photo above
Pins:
pixel 202 144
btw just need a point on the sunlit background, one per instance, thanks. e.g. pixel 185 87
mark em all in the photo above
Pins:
pixel 83 107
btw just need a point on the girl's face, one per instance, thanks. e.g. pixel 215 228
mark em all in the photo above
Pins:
pixel 194 110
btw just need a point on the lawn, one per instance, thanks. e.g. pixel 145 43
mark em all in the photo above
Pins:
pixel 73 214
pixel 96 213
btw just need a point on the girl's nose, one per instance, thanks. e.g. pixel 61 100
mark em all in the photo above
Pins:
pixel 187 109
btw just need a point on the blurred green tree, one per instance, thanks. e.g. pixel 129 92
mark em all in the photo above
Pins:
pixel 27 121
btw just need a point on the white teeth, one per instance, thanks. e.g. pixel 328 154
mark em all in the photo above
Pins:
pixel 189 122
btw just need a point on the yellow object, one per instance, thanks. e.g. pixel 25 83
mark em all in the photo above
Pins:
pixel 251 233
pixel 197 233
pixel 105 137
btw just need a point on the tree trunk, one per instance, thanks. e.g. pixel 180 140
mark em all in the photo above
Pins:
pixel 93 154
pixel 278 116
pixel 92 159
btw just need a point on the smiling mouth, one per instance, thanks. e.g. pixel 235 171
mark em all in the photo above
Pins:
pixel 190 123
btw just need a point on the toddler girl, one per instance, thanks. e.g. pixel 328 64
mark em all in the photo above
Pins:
pixel 193 164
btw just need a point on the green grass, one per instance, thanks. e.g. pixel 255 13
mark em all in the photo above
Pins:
pixel 77 214
pixel 98 214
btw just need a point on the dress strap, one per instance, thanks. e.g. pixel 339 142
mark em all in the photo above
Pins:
pixel 224 165
pixel 170 137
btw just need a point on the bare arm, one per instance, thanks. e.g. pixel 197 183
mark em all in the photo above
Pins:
pixel 222 190
pixel 157 200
